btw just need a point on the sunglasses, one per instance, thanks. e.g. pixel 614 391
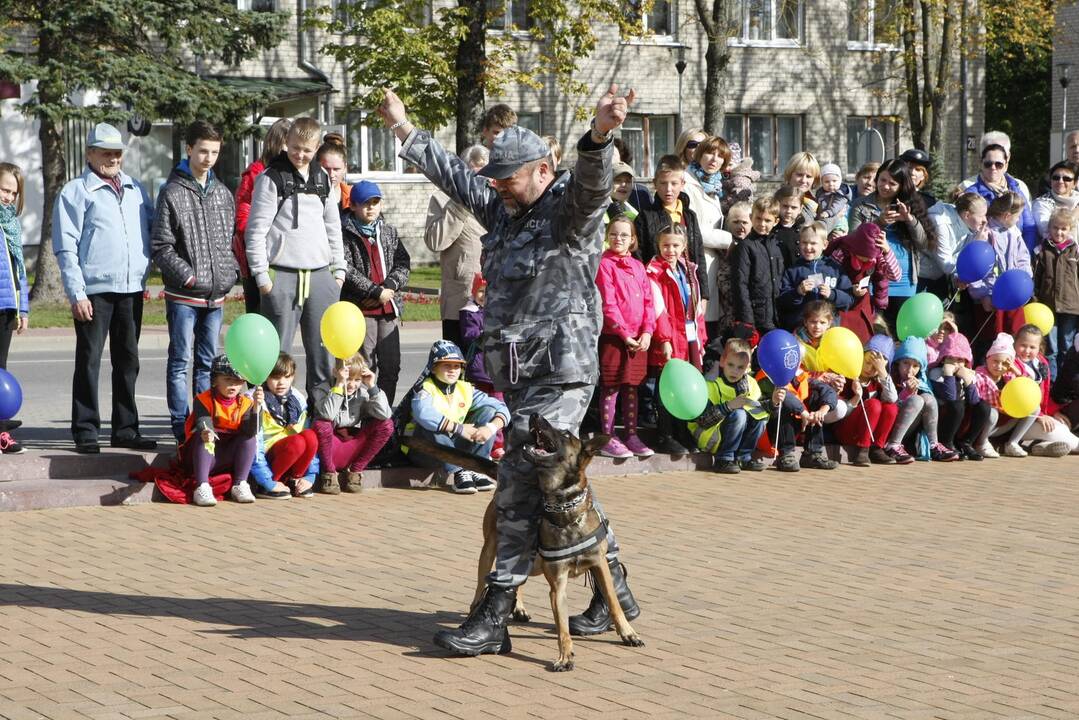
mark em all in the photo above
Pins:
pixel 692 144
pixel 993 164
pixel 1063 178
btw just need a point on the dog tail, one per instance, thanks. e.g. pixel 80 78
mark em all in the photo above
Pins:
pixel 452 455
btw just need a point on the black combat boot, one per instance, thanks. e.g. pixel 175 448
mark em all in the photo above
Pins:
pixel 484 631
pixel 597 618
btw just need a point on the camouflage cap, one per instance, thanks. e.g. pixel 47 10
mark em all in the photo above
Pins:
pixel 513 147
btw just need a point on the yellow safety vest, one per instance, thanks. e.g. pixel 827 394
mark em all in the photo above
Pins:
pixel 720 391
pixel 454 406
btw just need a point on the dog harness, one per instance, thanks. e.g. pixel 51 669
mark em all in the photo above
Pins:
pixel 569 551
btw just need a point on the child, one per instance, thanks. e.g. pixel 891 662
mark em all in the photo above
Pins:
pixel 1011 253
pixel 799 406
pixel 471 319
pixel 628 323
pixel 953 382
pixel 865 182
pixel 812 277
pixel 671 207
pixel 757 269
pixel 917 406
pixel 734 420
pixel 947 326
pixel 817 317
pixel 1065 389
pixel 287 445
pixel 791 219
pixel 870 266
pixel 739 222
pixel 378 267
pixel 956 226
pixel 449 411
pixel 991 378
pixel 832 202
pixel 220 434
pixel 14 288
pixel 679 326
pixel 1056 280
pixel 621 187
pixel 352 423
pixel 1052 438
pixel 871 398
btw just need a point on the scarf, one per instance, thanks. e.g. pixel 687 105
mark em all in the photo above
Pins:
pixel 285 413
pixel 9 224
pixel 366 230
pixel 712 184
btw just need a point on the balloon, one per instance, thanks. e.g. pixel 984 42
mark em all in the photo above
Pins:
pixel 10 395
pixel 1012 289
pixel 252 346
pixel 682 390
pixel 343 328
pixel 920 316
pixel 1040 315
pixel 1020 397
pixel 841 351
pixel 779 354
pixel 975 261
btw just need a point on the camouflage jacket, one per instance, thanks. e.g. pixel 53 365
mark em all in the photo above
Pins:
pixel 543 312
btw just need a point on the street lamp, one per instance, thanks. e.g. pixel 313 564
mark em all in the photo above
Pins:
pixel 680 66
pixel 1064 80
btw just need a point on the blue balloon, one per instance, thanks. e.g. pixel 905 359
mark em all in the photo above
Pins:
pixel 975 261
pixel 779 355
pixel 10 395
pixel 1012 289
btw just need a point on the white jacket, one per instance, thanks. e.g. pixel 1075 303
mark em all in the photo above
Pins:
pixel 715 239
pixel 952 236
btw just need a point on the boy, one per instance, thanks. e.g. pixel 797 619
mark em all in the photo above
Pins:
pixel 495 120
pixel 832 203
pixel 757 268
pixel 378 267
pixel 790 222
pixel 739 222
pixel 799 407
pixel 192 244
pixel 734 420
pixel 812 277
pixel 670 207
pixel 621 187
pixel 295 223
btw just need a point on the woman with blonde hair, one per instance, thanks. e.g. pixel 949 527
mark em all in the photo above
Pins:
pixel 803 174
pixel 686 144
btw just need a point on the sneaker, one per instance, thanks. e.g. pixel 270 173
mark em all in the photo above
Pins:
pixel 327 483
pixel 636 446
pixel 877 456
pixel 988 451
pixel 482 482
pixel 726 467
pixel 817 461
pixel 9 446
pixel 277 492
pixel 241 492
pixel 670 446
pixel 752 465
pixel 204 495
pixel 1043 449
pixel 860 458
pixel 786 463
pixel 967 452
pixel 898 453
pixel 942 453
pixel 351 481
pixel 615 449
pixel 1013 450
pixel 463 484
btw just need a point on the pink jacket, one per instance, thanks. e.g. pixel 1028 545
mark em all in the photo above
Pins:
pixel 627 296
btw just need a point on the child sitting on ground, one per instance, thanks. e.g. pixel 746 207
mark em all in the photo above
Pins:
pixel 449 411
pixel 917 406
pixel 817 317
pixel 832 202
pixel 953 382
pixel 287 446
pixel 734 419
pixel 1051 438
pixel 999 368
pixel 871 400
pixel 220 434
pixel 812 277
pixel 757 269
pixel 800 406
pixel 352 423
pixel 948 325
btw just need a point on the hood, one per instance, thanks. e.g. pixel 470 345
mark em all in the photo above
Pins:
pixel 863 241
pixel 956 345
pixel 915 349
pixel 182 174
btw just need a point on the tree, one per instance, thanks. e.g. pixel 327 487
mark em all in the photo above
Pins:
pixel 930 32
pixel 444 64
pixel 716 22
pixel 134 54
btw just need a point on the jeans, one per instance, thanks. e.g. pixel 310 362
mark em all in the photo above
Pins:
pixel 479 417
pixel 739 434
pixel 117 317
pixel 189 324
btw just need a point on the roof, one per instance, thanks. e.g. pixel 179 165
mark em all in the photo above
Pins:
pixel 280 89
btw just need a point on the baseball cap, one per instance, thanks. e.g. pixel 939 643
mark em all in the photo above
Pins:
pixel 917 156
pixel 105 136
pixel 363 191
pixel 621 168
pixel 513 147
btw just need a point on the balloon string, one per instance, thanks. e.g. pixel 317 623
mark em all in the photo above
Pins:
pixel 779 416
pixel 952 299
pixel 865 414
pixel 987 319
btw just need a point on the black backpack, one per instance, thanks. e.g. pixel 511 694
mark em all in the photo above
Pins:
pixel 290 184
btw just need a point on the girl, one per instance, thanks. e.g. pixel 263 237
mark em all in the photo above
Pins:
pixel 1052 438
pixel 871 399
pixel 220 434
pixel 333 157
pixel 791 221
pixel 14 288
pixel 991 378
pixel 933 342
pixel 953 381
pixel 917 406
pixel 287 444
pixel 704 186
pixel 679 327
pixel 869 263
pixel 1056 281
pixel 817 317
pixel 628 323
pixel 900 211
pixel 351 422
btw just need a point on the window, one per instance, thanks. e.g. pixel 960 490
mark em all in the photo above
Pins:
pixel 657 21
pixel 769 139
pixel 531 120
pixel 871 139
pixel 871 24
pixel 508 14
pixel 257 5
pixel 373 148
pixel 648 137
pixel 770 22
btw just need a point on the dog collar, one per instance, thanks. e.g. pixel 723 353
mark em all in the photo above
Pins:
pixel 569 551
pixel 565 506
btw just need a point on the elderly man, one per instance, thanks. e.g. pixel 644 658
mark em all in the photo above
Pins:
pixel 101 237
pixel 543 317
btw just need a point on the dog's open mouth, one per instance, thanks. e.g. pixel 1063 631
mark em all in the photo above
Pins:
pixel 542 446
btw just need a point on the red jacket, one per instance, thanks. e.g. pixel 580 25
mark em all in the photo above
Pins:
pixel 670 312
pixel 627 296
pixel 243 209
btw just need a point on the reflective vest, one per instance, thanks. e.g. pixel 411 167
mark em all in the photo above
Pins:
pixel 720 391
pixel 453 406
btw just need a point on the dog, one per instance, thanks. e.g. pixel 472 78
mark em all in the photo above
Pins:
pixel 569 519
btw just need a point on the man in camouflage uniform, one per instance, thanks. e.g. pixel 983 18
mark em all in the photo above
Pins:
pixel 543 317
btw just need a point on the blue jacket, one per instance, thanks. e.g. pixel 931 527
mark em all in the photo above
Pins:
pixel 1028 225
pixel 102 242
pixel 14 291
pixel 790 301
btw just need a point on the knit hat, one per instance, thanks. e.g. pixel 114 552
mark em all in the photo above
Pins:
pixel 1003 345
pixel 222 366
pixel 882 344
pixel 863 241
pixel 831 169
pixel 478 283
pixel 956 345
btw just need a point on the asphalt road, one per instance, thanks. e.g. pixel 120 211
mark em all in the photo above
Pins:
pixel 43 362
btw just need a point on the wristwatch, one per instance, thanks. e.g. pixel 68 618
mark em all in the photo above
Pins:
pixel 602 137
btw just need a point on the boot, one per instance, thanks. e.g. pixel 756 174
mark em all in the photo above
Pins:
pixel 597 618
pixel 327 484
pixel 353 481
pixel 484 631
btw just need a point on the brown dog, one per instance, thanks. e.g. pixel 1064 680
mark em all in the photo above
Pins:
pixel 569 521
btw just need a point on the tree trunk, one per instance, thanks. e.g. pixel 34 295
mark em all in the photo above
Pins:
pixel 910 73
pixel 47 285
pixel 471 63
pixel 945 63
pixel 716 57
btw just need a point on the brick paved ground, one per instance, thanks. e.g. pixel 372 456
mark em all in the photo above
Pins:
pixel 944 591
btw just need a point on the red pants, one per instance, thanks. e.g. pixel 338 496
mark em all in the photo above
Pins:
pixel 290 457
pixel 853 430
pixel 353 448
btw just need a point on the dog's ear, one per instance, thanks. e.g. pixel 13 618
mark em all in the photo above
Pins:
pixel 594 444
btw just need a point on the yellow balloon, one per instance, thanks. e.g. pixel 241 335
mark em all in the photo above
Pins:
pixel 343 328
pixel 1020 397
pixel 841 351
pixel 1040 315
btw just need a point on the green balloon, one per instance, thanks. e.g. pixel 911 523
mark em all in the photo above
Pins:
pixel 682 390
pixel 920 316
pixel 252 346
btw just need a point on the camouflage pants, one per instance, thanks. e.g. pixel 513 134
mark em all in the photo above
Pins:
pixel 518 501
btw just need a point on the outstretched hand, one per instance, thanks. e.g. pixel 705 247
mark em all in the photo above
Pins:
pixel 611 110
pixel 391 109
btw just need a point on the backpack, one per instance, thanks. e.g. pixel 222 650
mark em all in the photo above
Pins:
pixel 286 180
